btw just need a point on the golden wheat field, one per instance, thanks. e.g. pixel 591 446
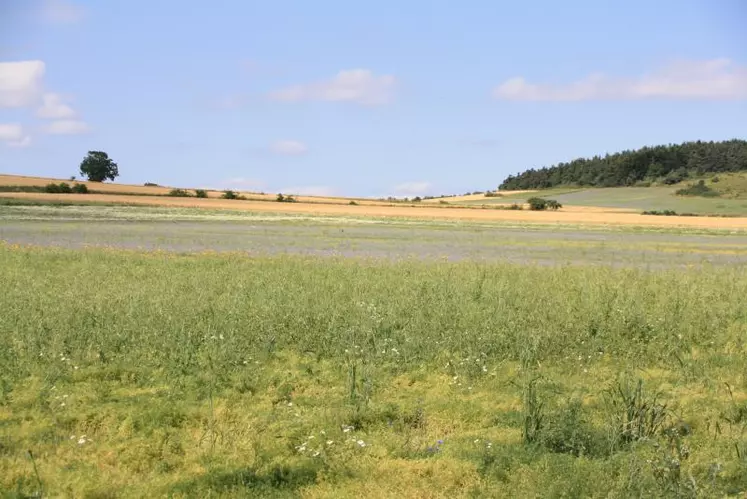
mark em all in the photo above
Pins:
pixel 130 189
pixel 569 215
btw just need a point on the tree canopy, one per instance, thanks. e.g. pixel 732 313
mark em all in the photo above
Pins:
pixel 666 163
pixel 97 166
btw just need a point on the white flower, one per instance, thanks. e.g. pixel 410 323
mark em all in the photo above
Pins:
pixel 361 443
pixel 330 442
pixel 316 453
pixel 82 440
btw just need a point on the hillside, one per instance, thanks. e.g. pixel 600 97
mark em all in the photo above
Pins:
pixel 668 164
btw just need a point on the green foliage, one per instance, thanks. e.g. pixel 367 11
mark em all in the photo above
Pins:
pixel 61 188
pixel 229 195
pixel 541 204
pixel 179 193
pixel 670 163
pixel 699 189
pixel 97 166
pixel 80 189
pixel 285 199
pixel 227 375
pixel 150 184
pixel 201 193
pixel 635 414
pixel 353 203
pixel 417 199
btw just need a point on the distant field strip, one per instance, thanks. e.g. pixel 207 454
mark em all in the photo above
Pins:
pixel 426 212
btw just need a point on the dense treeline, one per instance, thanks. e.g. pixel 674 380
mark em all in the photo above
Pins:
pixel 669 164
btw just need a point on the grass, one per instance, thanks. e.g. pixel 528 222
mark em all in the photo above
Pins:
pixel 641 198
pixel 129 374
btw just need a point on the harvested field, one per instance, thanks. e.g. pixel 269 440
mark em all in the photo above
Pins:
pixel 126 189
pixel 583 216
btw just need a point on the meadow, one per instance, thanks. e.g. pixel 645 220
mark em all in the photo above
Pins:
pixel 731 187
pixel 189 357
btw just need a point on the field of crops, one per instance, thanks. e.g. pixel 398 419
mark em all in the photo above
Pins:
pixel 636 199
pixel 281 357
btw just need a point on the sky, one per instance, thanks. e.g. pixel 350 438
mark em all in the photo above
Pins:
pixel 334 97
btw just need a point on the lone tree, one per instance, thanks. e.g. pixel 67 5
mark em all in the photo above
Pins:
pixel 98 166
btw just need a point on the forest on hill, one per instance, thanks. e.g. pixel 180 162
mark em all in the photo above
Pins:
pixel 668 164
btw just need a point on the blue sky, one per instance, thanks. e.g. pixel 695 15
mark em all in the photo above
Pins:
pixel 360 98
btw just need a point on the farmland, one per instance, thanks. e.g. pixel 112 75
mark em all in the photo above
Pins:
pixel 164 351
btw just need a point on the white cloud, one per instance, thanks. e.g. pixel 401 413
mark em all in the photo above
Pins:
pixel 309 190
pixel 20 83
pixel 411 189
pixel 53 107
pixel 359 86
pixel 12 134
pixel 243 183
pixel 67 127
pixel 62 12
pixel 288 148
pixel 717 79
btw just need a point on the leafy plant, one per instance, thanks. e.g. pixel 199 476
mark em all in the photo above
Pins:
pixel 179 193
pixel 201 193
pixel 229 195
pixel 97 166
pixel 80 189
pixel 635 414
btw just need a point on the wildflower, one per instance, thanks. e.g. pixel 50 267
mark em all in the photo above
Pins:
pixel 440 442
pixel 290 404
pixel 316 454
pixel 82 440
pixel 346 428
pixel 330 442
pixel 361 443
pixel 484 369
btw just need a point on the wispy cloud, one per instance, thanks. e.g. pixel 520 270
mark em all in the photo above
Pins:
pixel 21 83
pixel 310 190
pixel 359 86
pixel 288 148
pixel 13 135
pixel 410 189
pixel 62 12
pixel 717 79
pixel 243 183
pixel 67 127
pixel 54 107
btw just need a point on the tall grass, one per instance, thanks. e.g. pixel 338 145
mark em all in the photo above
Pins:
pixel 189 374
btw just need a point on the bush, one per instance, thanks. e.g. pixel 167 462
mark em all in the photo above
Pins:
pixel 493 194
pixel 201 193
pixel 540 204
pixel 179 193
pixel 229 195
pixel 663 213
pixel 150 184
pixel 80 189
pixel 353 203
pixel 61 188
pixel 715 179
pixel 285 199
pixel 699 189
pixel 417 199
pixel 676 176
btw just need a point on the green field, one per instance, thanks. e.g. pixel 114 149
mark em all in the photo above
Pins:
pixel 128 373
pixel 732 187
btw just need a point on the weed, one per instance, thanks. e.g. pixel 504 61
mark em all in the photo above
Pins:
pixel 635 414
